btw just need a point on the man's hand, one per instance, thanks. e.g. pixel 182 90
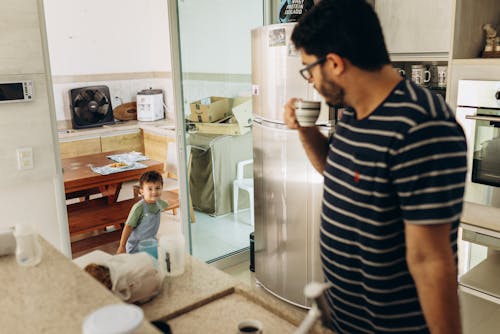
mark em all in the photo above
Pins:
pixel 289 114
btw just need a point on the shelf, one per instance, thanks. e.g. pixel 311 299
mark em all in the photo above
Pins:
pixel 478 315
pixel 418 57
pixel 484 276
pixel 477 61
pixel 481 216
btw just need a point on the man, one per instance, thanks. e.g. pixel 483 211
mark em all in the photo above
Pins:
pixel 394 176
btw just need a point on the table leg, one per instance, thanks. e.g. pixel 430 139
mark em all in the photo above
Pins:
pixel 111 191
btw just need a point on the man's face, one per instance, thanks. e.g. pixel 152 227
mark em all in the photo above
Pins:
pixel 323 81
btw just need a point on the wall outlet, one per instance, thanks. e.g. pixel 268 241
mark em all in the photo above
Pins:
pixel 24 158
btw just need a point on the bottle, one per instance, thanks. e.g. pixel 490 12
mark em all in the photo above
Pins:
pixel 28 249
pixel 171 254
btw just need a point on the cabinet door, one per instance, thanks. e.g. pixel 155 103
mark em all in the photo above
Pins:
pixel 125 142
pixel 156 147
pixel 416 26
pixel 75 148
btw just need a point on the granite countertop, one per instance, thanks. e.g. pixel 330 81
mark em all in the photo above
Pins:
pixel 53 297
pixel 165 127
pixel 56 296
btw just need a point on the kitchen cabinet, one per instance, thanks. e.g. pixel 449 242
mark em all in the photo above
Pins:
pixel 125 142
pixel 468 42
pixel 156 147
pixel 85 143
pixel 74 148
pixel 420 28
pixel 479 269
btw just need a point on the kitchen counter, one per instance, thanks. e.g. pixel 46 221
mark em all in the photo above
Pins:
pixel 164 127
pixel 56 296
pixel 53 297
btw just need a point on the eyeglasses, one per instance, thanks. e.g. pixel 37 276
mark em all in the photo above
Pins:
pixel 306 71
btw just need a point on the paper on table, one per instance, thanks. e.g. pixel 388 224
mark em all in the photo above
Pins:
pixel 107 169
pixel 128 157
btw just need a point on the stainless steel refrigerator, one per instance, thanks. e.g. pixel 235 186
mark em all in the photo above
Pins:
pixel 287 189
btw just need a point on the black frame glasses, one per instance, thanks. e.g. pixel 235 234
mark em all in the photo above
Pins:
pixel 305 72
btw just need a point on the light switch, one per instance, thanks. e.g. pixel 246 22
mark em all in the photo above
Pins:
pixel 24 158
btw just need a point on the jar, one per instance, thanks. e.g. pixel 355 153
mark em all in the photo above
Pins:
pixel 28 249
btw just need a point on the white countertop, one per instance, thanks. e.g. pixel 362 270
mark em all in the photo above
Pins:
pixel 164 127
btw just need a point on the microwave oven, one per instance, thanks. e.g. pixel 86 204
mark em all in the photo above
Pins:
pixel 16 91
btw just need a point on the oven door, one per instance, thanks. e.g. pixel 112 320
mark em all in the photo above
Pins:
pixel 482 130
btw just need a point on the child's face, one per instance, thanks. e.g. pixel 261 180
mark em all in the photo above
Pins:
pixel 151 191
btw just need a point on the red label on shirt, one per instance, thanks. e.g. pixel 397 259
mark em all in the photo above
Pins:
pixel 356 176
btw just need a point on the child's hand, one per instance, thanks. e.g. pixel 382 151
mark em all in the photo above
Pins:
pixel 121 250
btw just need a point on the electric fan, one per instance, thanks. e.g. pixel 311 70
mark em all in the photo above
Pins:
pixel 90 107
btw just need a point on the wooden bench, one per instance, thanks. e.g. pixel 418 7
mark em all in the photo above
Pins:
pixel 97 215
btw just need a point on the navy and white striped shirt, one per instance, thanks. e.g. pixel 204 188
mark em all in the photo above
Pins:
pixel 403 164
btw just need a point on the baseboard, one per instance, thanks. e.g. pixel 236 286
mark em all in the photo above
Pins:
pixel 231 260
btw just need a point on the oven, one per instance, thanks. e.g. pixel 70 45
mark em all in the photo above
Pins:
pixel 478 111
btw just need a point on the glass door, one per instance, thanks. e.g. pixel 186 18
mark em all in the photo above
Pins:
pixel 212 87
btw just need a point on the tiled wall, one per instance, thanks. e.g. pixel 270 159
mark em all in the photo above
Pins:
pixel 121 91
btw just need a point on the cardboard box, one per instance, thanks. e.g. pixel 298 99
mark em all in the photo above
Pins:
pixel 210 109
pixel 239 124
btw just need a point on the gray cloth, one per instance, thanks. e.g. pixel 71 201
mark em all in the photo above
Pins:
pixel 213 170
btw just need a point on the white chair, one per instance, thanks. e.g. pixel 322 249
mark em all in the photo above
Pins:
pixel 244 184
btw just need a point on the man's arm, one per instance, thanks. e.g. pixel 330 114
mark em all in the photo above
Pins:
pixel 315 144
pixel 432 266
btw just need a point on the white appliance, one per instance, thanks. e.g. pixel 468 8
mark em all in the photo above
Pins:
pixel 150 105
pixel 478 112
pixel 287 189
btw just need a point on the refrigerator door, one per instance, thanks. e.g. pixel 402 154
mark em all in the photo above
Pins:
pixel 275 71
pixel 288 194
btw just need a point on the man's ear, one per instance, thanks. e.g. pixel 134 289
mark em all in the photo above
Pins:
pixel 335 64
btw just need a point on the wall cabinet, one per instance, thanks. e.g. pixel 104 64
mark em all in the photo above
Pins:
pixel 416 26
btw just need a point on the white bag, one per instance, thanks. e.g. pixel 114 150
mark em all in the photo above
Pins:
pixel 135 277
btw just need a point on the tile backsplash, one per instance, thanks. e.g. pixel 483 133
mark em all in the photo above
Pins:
pixel 121 91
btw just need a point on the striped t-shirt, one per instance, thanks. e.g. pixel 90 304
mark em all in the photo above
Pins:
pixel 403 164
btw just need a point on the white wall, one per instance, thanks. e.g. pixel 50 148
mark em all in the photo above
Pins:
pixel 107 36
pixel 213 39
pixel 30 196
pixel 123 44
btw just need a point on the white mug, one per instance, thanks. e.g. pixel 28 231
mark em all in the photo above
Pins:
pixel 250 326
pixel 442 74
pixel 420 75
pixel 400 71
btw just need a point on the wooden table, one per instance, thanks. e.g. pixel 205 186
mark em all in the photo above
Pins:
pixel 97 214
pixel 78 177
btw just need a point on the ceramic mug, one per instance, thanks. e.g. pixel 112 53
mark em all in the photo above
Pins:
pixel 250 326
pixel 420 75
pixel 400 71
pixel 442 72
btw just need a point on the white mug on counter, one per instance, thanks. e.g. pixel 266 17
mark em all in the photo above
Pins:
pixel 420 75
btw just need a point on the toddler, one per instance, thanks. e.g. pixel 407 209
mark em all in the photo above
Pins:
pixel 144 218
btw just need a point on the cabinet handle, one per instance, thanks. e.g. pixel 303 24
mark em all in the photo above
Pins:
pixel 484 118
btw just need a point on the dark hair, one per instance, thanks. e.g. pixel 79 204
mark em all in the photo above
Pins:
pixel 150 177
pixel 349 28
